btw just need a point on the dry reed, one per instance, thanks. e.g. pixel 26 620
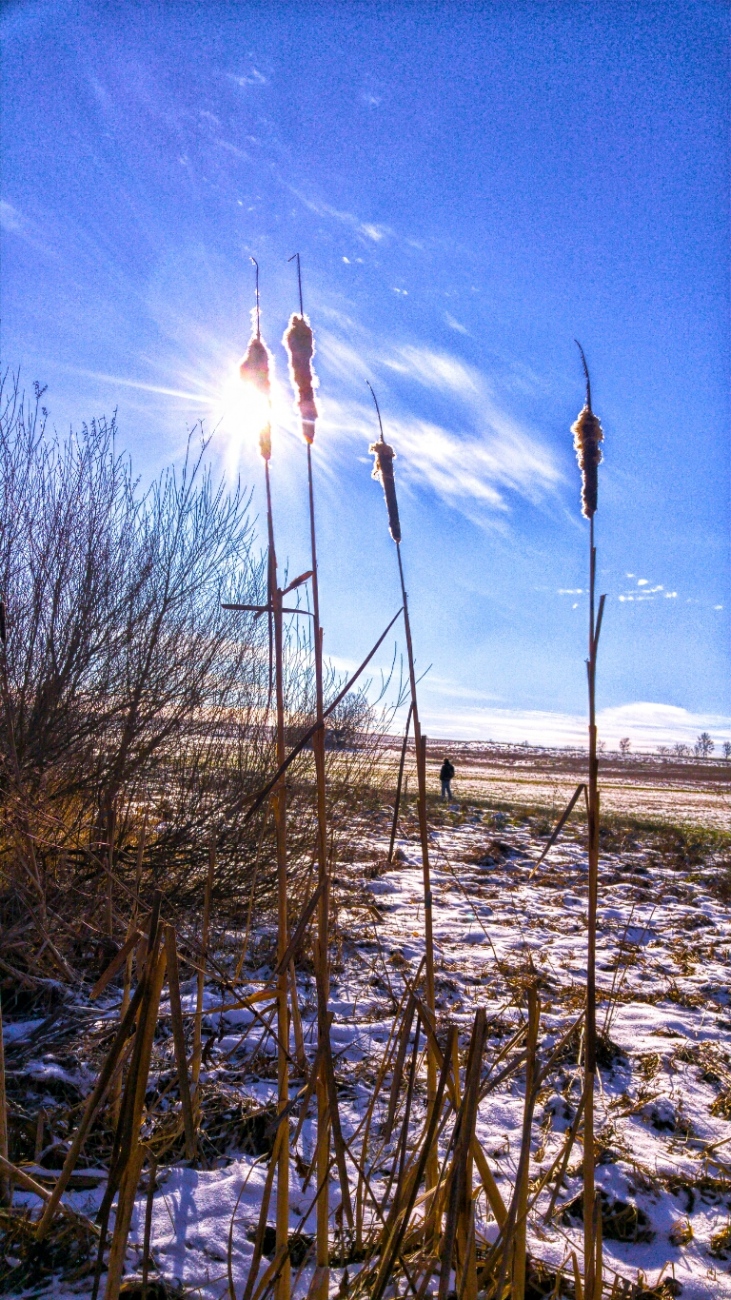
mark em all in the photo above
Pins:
pixel 4 1186
pixel 588 434
pixel 383 468
pixel 300 345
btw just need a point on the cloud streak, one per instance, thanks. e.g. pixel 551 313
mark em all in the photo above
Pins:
pixel 647 724
pixel 474 464
pixel 14 222
pixel 369 230
pixel 252 78
pixel 645 590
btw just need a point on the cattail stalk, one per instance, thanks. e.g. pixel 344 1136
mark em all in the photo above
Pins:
pixel 383 471
pixel 399 783
pixel 460 1206
pixel 127 984
pixel 300 345
pixel 587 437
pixel 279 799
pixel 146 1258
pixel 521 1191
pixel 111 826
pixel 120 1045
pixel 323 918
pixel 4 1185
pixel 195 1068
pixel 253 370
pixel 28 859
pixel 181 1060
pixel 126 1164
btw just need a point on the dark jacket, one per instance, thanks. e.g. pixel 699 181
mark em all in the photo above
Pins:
pixel 447 771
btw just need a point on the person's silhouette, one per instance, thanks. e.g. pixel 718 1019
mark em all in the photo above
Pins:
pixel 445 776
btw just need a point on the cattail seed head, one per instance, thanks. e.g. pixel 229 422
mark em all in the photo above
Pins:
pixel 254 370
pixel 300 345
pixel 383 471
pixel 588 436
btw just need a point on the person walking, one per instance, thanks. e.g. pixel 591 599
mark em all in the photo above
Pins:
pixel 445 776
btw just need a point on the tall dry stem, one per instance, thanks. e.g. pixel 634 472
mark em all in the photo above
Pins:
pixel 588 435
pixel 4 1185
pixel 520 1247
pixel 195 1069
pixel 383 471
pixel 299 342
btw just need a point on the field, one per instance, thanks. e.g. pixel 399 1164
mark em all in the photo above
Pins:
pixel 501 926
pixel 688 792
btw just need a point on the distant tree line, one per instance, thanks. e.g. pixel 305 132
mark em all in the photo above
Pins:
pixel 703 748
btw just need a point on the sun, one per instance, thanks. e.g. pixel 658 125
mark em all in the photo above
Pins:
pixel 245 411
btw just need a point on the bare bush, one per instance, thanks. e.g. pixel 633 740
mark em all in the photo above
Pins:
pixel 129 696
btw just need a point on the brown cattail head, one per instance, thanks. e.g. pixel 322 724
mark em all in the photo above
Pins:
pixel 588 436
pixel 254 370
pixel 300 345
pixel 383 471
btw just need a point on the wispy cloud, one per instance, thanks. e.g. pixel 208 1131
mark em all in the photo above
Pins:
pixel 14 222
pixel 439 371
pixel 455 324
pixel 449 689
pixel 475 463
pixel 366 229
pixel 118 381
pixel 10 218
pixel 251 78
pixel 644 590
pixel 468 471
pixel 647 724
pixel 486 453
pixel 233 149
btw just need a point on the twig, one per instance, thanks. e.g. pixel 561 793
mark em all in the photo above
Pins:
pixel 399 782
pixel 181 1060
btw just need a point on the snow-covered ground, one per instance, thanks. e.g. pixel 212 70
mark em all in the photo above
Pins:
pixel 664 1103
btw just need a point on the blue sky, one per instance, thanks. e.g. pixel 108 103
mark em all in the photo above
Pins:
pixel 470 188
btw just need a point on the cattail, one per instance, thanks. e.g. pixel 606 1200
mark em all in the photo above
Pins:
pixel 254 369
pixel 300 345
pixel 588 435
pixel 383 471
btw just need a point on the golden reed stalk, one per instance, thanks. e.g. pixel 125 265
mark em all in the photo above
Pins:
pixel 300 346
pixel 383 472
pixel 255 369
pixel 588 436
